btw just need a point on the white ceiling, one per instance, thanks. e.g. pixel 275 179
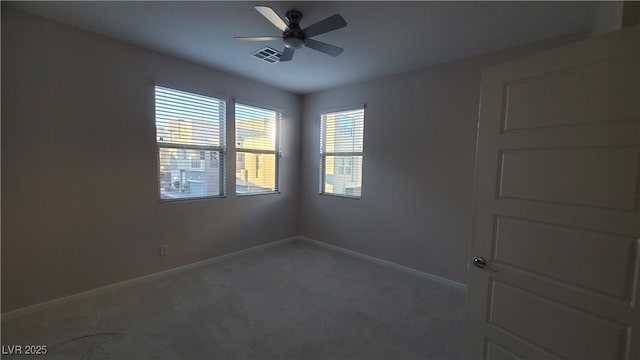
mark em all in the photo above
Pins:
pixel 381 38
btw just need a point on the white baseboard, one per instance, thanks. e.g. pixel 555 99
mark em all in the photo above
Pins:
pixel 438 279
pixel 47 304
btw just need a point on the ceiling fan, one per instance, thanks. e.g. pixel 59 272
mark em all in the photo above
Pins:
pixel 295 37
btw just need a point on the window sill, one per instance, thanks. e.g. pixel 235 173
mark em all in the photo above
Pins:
pixel 167 201
pixel 342 196
pixel 260 193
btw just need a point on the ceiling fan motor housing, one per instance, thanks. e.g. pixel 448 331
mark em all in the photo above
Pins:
pixel 293 37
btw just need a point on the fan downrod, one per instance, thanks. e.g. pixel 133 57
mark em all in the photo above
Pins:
pixel 294 17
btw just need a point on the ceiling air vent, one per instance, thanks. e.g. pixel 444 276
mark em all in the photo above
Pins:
pixel 267 54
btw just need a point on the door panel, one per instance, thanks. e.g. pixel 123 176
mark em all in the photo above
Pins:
pixel 514 346
pixel 556 175
pixel 497 352
pixel 556 206
pixel 594 93
pixel 517 243
pixel 528 315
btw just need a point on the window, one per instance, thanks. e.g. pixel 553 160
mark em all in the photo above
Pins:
pixel 341 153
pixel 188 126
pixel 257 150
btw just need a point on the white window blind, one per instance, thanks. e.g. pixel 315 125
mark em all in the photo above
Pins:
pixel 191 139
pixel 257 150
pixel 341 153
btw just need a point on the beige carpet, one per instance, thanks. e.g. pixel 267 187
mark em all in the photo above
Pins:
pixel 291 301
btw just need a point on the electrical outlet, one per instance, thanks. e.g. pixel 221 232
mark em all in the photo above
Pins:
pixel 164 249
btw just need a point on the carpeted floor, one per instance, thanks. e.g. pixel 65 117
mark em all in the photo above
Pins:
pixel 292 301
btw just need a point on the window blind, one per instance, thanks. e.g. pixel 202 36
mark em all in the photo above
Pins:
pixel 257 150
pixel 191 138
pixel 341 151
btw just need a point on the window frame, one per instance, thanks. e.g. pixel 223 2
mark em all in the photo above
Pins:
pixel 277 152
pixel 324 155
pixel 221 149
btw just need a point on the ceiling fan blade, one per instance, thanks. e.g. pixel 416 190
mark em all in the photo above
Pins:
pixel 273 17
pixel 287 54
pixel 331 23
pixel 323 47
pixel 258 38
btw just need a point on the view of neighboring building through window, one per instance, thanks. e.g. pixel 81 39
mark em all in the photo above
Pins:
pixel 341 153
pixel 257 150
pixel 190 136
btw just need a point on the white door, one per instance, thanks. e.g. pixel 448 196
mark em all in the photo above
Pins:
pixel 557 205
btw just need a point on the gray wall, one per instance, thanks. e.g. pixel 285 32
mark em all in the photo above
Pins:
pixel 419 153
pixel 79 165
pixel 607 17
